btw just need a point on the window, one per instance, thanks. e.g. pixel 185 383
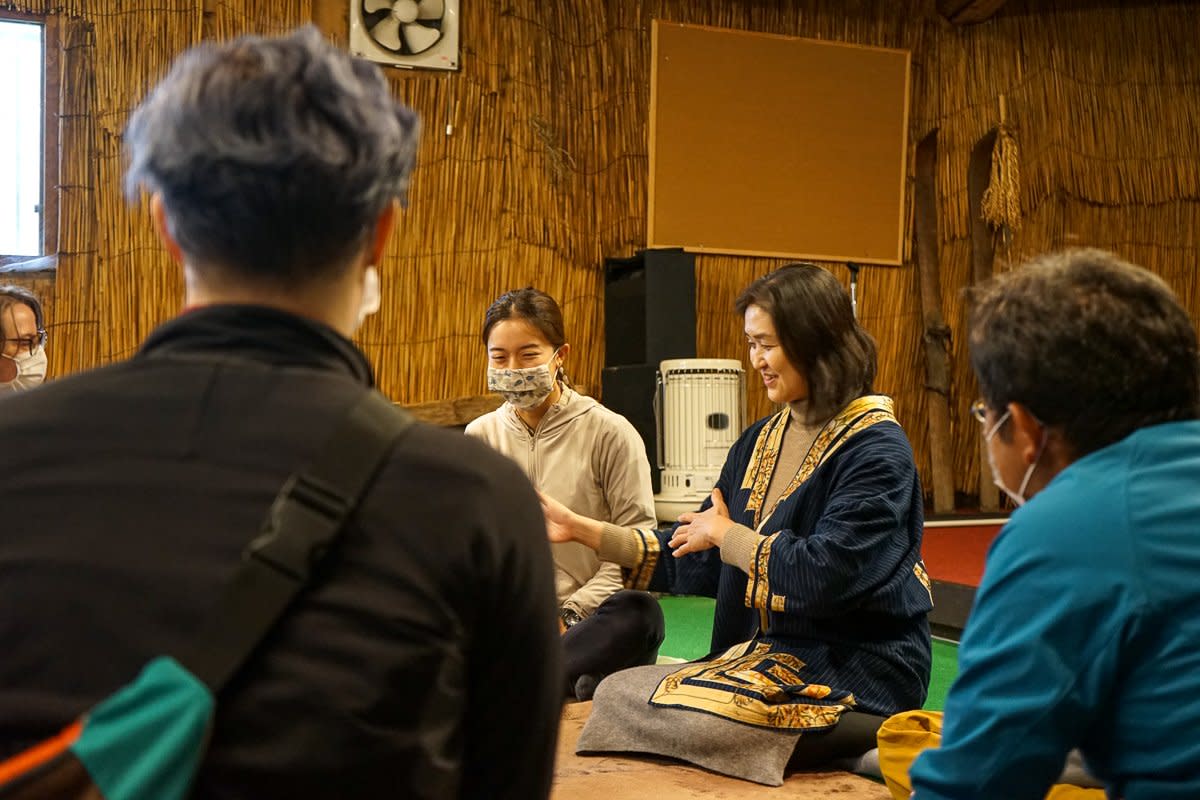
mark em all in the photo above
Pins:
pixel 28 139
pixel 21 140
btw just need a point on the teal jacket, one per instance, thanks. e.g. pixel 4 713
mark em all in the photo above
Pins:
pixel 1085 634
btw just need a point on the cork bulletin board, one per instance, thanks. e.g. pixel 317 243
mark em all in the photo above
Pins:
pixel 776 146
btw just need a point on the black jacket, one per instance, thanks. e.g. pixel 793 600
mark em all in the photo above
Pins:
pixel 423 663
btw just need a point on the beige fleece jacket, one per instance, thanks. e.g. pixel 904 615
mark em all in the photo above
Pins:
pixel 592 461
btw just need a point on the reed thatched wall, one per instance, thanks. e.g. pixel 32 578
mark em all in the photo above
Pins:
pixel 545 170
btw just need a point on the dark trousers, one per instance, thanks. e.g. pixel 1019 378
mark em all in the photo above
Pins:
pixel 853 736
pixel 625 631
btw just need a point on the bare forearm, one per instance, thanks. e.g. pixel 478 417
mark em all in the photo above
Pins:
pixel 587 531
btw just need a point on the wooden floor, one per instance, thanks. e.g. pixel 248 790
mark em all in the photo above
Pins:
pixel 637 778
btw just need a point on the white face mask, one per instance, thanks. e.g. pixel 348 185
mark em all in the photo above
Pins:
pixel 31 370
pixel 1018 496
pixel 370 295
pixel 523 388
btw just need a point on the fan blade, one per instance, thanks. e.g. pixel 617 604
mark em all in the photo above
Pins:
pixel 430 9
pixel 387 33
pixel 371 6
pixel 419 38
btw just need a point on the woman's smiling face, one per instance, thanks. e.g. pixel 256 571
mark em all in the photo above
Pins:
pixel 784 382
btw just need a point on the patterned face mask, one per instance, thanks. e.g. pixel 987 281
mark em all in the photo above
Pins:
pixel 31 370
pixel 523 388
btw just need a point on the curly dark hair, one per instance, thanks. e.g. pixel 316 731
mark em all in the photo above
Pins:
pixel 1090 344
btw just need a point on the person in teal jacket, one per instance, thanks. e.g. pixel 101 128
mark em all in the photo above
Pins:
pixel 1086 628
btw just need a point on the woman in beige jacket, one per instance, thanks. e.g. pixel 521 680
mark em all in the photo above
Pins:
pixel 588 458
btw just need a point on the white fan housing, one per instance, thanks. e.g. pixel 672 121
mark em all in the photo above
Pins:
pixel 413 34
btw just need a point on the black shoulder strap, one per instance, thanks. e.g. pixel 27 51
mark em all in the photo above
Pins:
pixel 302 525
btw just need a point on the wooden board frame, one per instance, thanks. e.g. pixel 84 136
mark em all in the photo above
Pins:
pixel 679 217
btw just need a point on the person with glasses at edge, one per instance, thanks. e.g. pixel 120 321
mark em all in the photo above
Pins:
pixel 1085 632
pixel 23 362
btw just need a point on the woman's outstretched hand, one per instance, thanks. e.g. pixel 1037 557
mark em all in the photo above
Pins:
pixel 702 529
pixel 564 525
pixel 560 525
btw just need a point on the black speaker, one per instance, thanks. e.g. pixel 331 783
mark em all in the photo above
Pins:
pixel 649 307
pixel 629 391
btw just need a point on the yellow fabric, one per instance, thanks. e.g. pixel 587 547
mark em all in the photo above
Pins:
pixel 1064 791
pixel 858 415
pixel 904 736
pixel 757 594
pixel 758 687
pixel 649 550
pixel 762 461
pixel 901 739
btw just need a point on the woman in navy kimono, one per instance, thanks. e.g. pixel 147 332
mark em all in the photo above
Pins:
pixel 810 541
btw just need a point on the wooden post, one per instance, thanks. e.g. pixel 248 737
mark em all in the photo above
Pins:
pixel 936 332
pixel 208 17
pixel 982 258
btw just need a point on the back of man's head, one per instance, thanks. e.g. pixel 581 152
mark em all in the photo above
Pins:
pixel 274 157
pixel 1090 344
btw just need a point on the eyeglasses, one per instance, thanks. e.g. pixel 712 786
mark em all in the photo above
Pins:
pixel 979 411
pixel 30 343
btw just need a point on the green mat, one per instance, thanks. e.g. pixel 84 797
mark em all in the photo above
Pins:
pixel 689 626
pixel 945 669
pixel 689 631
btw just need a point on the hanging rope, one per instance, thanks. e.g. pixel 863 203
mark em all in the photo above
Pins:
pixel 1001 205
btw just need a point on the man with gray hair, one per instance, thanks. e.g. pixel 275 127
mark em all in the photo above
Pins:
pixel 23 325
pixel 275 168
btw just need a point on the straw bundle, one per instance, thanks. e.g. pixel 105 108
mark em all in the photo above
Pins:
pixel 1002 200
pixel 545 171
